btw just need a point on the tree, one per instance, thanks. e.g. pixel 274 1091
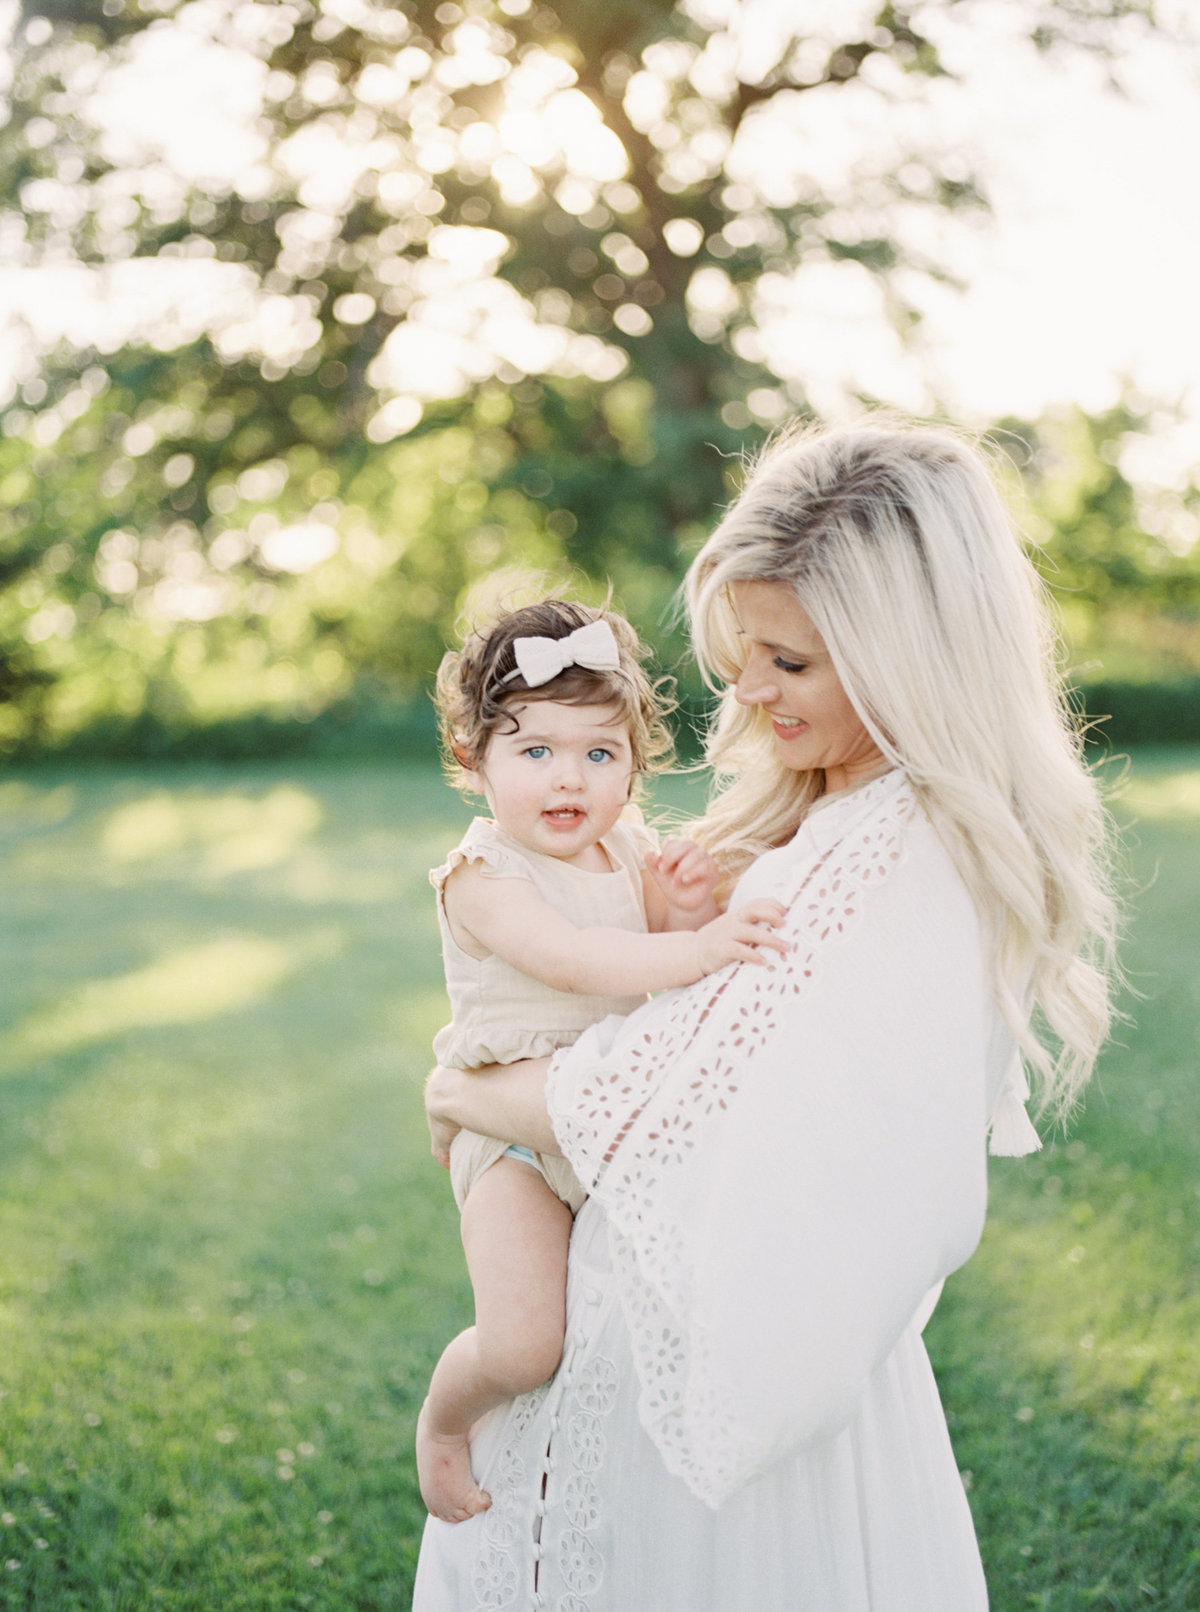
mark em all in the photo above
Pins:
pixel 1121 557
pixel 595 206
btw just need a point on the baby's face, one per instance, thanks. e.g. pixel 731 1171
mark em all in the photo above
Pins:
pixel 560 781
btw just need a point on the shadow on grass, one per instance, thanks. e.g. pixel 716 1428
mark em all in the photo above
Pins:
pixel 229 1262
pixel 1065 1353
pixel 1066 1348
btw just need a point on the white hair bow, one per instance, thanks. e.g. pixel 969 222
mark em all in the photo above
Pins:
pixel 540 659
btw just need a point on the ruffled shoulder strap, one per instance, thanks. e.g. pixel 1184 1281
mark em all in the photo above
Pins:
pixel 498 856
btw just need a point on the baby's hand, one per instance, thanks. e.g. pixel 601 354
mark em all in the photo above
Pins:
pixel 686 875
pixel 743 936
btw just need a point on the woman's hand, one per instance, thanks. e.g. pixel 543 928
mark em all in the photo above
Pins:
pixel 503 1100
pixel 439 1092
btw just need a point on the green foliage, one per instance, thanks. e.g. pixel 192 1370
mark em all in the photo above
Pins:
pixel 1139 713
pixel 1121 559
pixel 150 569
pixel 229 1263
pixel 165 504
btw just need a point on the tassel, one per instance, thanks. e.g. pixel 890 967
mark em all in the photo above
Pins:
pixel 1012 1135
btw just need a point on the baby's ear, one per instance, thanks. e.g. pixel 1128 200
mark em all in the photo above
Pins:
pixel 471 774
pixel 470 762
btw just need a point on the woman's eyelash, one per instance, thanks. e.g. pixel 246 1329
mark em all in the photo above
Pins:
pixel 788 665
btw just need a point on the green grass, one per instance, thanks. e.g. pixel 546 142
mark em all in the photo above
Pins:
pixel 227 1262
pixel 1066 1349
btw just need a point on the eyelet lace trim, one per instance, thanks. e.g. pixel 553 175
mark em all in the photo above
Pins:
pixel 572 1409
pixel 496 1578
pixel 630 1125
pixel 589 1396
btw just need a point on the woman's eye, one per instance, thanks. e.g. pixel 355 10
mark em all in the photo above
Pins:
pixel 789 665
pixel 599 755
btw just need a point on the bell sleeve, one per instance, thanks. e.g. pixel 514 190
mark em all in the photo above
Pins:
pixel 790 1158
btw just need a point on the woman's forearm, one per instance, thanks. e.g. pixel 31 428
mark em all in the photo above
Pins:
pixel 503 1100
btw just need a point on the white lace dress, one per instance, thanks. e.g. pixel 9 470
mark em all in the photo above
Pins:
pixel 783 1166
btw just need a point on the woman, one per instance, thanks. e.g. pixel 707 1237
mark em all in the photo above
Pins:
pixel 783 1164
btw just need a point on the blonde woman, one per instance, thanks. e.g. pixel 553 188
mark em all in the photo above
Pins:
pixel 784 1164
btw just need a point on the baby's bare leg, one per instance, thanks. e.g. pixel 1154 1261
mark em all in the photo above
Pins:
pixel 515 1233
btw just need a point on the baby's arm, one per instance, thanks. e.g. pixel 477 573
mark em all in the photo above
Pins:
pixel 509 917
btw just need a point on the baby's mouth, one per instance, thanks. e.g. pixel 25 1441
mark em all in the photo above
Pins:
pixel 564 814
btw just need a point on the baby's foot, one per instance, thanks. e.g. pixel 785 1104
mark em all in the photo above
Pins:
pixel 444 1472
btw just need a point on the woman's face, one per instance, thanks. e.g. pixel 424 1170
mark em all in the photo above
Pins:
pixel 787 670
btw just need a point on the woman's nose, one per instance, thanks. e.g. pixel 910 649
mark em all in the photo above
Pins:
pixel 754 685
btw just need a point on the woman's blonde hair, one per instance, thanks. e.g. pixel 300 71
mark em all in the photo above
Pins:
pixel 895 541
pixel 478 687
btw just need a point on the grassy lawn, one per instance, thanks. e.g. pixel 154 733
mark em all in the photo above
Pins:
pixel 1066 1349
pixel 227 1262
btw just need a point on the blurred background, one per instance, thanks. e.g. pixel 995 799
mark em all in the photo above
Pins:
pixel 318 317
pixel 323 323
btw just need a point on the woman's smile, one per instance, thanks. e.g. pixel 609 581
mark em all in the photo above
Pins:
pixel 789 674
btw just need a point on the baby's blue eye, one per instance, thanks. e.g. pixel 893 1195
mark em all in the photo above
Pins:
pixel 599 755
pixel 537 751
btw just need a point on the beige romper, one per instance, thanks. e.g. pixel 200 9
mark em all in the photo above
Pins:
pixel 500 1015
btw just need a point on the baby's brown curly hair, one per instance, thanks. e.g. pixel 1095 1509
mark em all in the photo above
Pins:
pixel 476 688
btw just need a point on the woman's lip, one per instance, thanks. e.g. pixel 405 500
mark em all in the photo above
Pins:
pixel 787 729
